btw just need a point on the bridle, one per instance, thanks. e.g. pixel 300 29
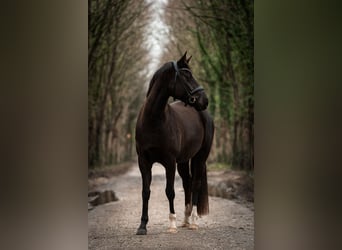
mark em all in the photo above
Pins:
pixel 190 98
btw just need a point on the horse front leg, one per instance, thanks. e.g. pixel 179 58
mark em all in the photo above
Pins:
pixel 146 174
pixel 170 193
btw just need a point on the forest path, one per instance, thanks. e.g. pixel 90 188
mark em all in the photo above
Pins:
pixel 113 225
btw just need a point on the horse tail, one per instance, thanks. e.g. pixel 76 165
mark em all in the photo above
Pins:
pixel 203 201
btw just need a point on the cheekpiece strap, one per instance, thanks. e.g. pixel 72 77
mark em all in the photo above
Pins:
pixel 198 89
pixel 176 68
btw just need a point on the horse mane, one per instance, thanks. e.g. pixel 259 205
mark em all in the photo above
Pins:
pixel 156 77
pixel 161 71
pixel 153 80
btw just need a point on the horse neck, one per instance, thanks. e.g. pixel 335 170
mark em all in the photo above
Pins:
pixel 157 100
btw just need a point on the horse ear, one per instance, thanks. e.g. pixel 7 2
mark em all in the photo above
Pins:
pixel 188 60
pixel 183 58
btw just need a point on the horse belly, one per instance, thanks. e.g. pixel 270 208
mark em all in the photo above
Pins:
pixel 191 131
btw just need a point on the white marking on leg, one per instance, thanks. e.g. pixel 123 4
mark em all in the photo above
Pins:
pixel 193 218
pixel 173 226
pixel 187 213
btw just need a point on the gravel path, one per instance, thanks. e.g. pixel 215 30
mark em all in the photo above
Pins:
pixel 113 225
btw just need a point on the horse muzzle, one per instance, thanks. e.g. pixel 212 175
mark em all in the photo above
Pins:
pixel 200 103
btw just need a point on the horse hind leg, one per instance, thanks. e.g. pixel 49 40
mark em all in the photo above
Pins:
pixel 199 185
pixel 200 203
pixel 184 172
pixel 170 193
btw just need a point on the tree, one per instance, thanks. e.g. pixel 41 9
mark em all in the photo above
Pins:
pixel 116 62
pixel 222 32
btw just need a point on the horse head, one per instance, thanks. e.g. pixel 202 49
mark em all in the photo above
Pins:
pixel 184 87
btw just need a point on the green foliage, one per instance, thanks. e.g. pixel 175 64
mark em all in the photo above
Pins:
pixel 218 166
pixel 224 31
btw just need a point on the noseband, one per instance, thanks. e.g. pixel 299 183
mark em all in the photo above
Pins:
pixel 190 98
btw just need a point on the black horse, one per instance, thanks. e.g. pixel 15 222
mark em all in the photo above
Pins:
pixel 175 134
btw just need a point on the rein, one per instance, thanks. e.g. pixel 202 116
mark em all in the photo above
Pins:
pixel 190 99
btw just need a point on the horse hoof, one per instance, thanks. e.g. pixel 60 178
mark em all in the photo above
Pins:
pixel 193 227
pixel 185 225
pixel 141 231
pixel 172 230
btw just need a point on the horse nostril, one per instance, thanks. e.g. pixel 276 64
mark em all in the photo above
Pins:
pixel 192 100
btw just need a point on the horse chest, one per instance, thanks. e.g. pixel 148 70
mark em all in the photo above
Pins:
pixel 157 139
pixel 158 135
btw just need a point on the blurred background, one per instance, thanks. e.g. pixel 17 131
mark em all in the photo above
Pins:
pixel 45 92
pixel 129 40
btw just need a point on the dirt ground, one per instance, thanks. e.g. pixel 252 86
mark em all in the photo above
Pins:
pixel 229 225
